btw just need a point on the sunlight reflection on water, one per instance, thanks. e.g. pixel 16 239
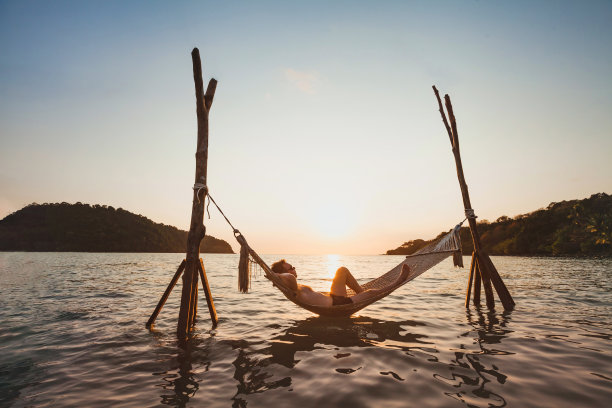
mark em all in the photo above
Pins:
pixel 333 263
pixel 73 334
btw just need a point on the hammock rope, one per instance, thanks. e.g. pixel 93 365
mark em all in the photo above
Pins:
pixel 419 262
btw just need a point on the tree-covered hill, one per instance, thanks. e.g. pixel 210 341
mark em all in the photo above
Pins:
pixel 93 228
pixel 567 228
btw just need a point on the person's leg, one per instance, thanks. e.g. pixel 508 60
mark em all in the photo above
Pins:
pixel 403 274
pixel 343 279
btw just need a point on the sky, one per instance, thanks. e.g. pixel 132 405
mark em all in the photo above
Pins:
pixel 325 135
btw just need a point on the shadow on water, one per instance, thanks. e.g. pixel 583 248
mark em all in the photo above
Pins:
pixel 24 369
pixel 180 382
pixel 315 332
pixel 252 361
pixel 308 335
pixel 254 370
pixel 491 328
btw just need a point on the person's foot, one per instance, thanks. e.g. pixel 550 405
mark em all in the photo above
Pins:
pixel 405 272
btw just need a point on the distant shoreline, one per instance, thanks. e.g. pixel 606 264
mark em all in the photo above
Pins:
pixel 576 229
pixel 64 227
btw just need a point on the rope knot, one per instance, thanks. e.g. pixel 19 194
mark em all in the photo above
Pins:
pixel 199 187
pixel 469 213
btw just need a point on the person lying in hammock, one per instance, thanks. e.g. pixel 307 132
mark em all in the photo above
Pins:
pixel 337 293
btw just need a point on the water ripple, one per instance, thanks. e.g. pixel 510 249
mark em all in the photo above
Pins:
pixel 72 334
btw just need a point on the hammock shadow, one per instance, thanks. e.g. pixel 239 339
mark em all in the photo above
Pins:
pixel 317 332
pixel 311 334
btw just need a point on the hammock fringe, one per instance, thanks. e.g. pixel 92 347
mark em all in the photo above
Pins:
pixel 458 259
pixel 244 269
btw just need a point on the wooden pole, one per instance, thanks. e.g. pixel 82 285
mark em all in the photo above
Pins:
pixel 470 280
pixel 477 281
pixel 486 281
pixel 483 262
pixel 164 297
pixel 209 299
pixel 194 301
pixel 196 229
pixel 498 283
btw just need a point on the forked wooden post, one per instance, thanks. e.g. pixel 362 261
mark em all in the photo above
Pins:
pixel 197 230
pixel 192 267
pixel 481 265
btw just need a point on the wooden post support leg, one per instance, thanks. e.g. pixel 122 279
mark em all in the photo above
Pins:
pixel 209 299
pixel 164 297
pixel 469 286
pixel 184 320
pixel 486 281
pixel 191 298
pixel 477 281
pixel 195 305
pixel 194 300
pixel 498 283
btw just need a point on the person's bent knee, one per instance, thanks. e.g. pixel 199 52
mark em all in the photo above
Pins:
pixel 343 270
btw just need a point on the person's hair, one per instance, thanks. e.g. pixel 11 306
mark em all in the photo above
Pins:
pixel 277 266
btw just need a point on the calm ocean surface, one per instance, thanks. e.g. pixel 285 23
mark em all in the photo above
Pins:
pixel 72 333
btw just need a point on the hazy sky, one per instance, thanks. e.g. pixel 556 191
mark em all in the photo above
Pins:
pixel 325 135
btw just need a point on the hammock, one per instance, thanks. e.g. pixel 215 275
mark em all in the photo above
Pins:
pixel 419 262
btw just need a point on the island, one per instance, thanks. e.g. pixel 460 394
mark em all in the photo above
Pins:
pixel 567 228
pixel 64 227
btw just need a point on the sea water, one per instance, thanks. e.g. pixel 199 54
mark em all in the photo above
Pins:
pixel 72 334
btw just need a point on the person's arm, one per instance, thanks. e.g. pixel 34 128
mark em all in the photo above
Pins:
pixel 289 281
